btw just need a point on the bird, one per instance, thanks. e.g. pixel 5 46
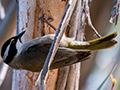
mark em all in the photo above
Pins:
pixel 32 55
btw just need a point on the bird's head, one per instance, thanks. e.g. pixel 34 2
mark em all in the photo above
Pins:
pixel 10 48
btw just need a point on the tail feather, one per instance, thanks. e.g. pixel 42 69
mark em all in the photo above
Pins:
pixel 103 39
pixel 103 43
pixel 97 44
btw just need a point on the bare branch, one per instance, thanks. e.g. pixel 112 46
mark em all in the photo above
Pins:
pixel 59 33
pixel 87 12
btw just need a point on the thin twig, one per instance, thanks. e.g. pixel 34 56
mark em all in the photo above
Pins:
pixel 89 19
pixel 45 20
pixel 114 68
pixel 113 80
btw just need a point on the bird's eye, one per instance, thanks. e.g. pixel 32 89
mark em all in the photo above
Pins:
pixel 12 41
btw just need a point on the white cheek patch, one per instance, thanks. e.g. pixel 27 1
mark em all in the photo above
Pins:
pixel 6 52
pixel 18 46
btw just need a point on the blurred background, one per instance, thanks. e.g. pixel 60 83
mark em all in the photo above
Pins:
pixel 93 71
pixel 7 29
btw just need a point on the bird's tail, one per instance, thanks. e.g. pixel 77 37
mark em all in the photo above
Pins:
pixel 97 44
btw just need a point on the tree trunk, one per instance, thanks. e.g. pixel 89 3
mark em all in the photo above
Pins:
pixel 66 78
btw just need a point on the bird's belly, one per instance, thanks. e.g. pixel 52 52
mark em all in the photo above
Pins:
pixel 34 61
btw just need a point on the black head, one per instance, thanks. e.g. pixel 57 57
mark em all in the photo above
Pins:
pixel 9 50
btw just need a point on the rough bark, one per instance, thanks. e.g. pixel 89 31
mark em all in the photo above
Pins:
pixel 66 78
pixel 27 19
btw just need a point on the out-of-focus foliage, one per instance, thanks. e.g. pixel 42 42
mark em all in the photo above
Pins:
pixel 7 29
pixel 104 62
pixel 2 11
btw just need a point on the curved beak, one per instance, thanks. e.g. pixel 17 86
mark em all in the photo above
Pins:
pixel 20 35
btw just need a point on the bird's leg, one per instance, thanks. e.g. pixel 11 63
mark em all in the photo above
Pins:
pixel 45 20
